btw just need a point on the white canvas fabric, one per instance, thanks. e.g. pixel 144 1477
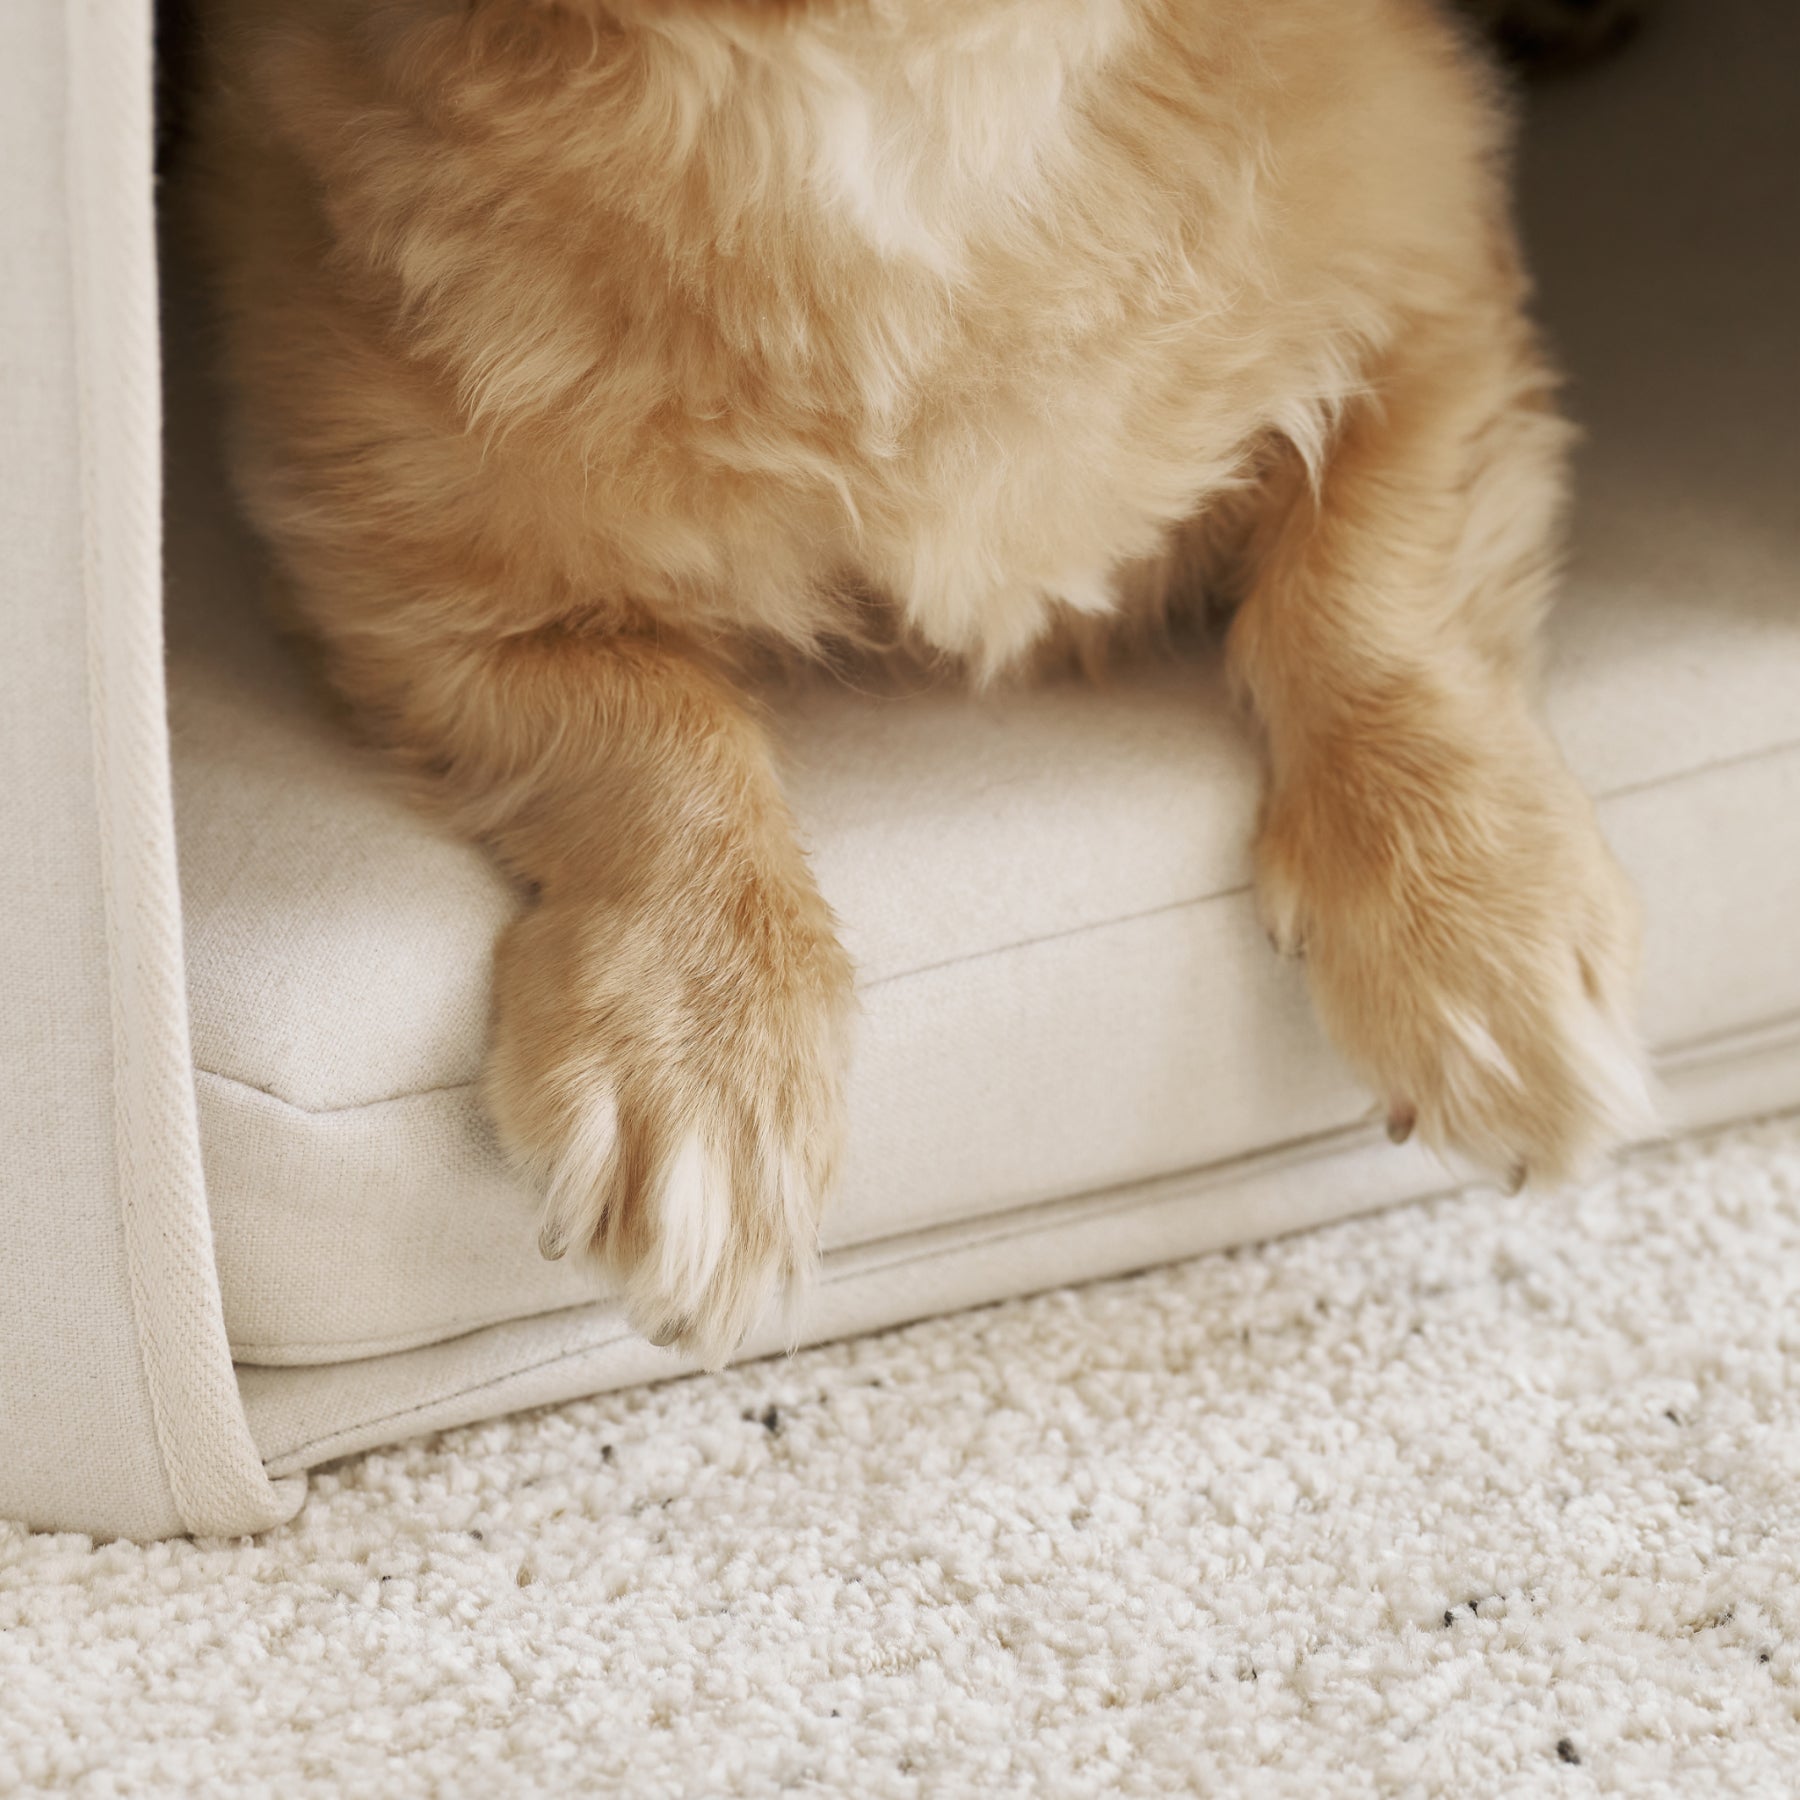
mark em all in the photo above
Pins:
pixel 65 1315
pixel 118 1410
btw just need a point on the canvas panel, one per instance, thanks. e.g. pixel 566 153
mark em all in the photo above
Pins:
pixel 78 1445
pixel 119 1410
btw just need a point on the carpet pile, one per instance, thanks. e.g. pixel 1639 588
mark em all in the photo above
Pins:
pixel 1483 1497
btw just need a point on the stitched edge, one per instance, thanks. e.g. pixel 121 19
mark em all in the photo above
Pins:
pixel 1243 890
pixel 215 1473
pixel 1722 1047
pixel 861 1261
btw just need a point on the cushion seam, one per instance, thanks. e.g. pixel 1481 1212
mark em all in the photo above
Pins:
pixel 330 1353
pixel 1347 1140
pixel 1313 1145
pixel 1050 937
pixel 1322 1144
pixel 978 1228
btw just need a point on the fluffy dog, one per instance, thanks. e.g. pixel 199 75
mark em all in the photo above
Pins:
pixel 581 349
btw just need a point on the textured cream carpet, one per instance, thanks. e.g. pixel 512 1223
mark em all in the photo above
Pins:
pixel 1485 1497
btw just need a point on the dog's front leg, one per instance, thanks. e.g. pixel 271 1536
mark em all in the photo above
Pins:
pixel 669 1011
pixel 1470 941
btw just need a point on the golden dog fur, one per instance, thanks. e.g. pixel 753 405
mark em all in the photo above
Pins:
pixel 581 347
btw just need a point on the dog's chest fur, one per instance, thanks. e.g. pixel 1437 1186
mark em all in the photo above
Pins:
pixel 967 313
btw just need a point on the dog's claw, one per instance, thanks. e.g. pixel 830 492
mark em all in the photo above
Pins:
pixel 1400 1122
pixel 1516 1180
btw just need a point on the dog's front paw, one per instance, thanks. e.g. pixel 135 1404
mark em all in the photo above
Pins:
pixel 1470 944
pixel 672 1082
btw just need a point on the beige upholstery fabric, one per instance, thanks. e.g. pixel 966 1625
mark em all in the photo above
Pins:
pixel 304 1415
pixel 1076 1053
pixel 66 1319
pixel 118 1410
pixel 1064 988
